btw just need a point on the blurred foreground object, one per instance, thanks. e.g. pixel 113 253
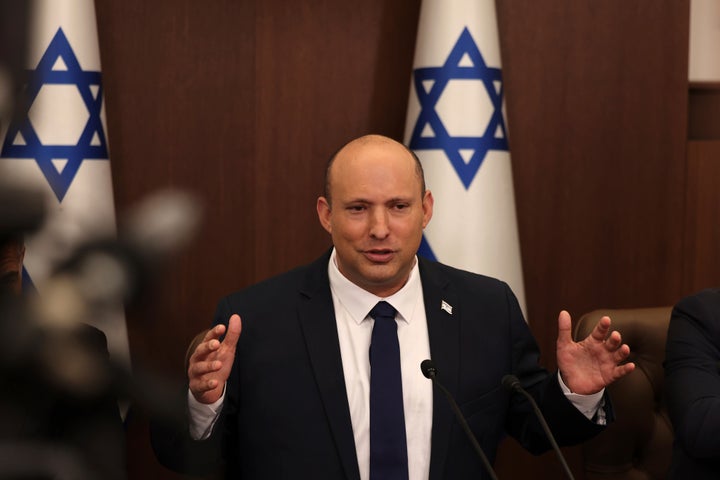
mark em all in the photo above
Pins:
pixel 59 389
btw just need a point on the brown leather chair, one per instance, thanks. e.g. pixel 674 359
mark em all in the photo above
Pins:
pixel 638 445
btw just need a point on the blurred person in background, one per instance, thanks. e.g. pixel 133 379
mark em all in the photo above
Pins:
pixel 692 385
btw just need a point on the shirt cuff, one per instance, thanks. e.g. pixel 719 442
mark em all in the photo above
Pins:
pixel 203 416
pixel 589 405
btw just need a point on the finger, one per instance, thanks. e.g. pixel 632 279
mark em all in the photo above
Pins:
pixel 624 369
pixel 198 387
pixel 564 327
pixel 233 331
pixel 204 349
pixel 621 354
pixel 214 333
pixel 613 341
pixel 199 369
pixel 601 329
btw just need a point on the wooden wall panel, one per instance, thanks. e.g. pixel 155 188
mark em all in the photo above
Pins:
pixel 596 98
pixel 180 105
pixel 322 70
pixel 704 111
pixel 597 138
pixel 702 226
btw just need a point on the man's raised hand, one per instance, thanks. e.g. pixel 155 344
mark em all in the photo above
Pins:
pixel 589 366
pixel 211 362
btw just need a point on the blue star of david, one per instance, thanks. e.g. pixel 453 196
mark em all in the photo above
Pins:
pixel 442 139
pixel 91 144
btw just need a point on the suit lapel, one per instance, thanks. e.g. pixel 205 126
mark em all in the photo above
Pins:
pixel 317 320
pixel 444 333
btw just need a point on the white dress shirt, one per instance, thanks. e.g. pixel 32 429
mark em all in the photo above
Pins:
pixel 352 307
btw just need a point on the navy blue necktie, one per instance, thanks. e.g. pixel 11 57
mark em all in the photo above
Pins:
pixel 388 445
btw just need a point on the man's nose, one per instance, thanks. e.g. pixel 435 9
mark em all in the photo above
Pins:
pixel 379 227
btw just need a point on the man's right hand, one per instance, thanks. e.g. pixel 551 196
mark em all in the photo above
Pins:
pixel 211 362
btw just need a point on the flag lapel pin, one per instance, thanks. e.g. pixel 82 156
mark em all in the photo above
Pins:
pixel 446 306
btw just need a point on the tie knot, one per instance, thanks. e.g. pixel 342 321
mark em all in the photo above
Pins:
pixel 383 310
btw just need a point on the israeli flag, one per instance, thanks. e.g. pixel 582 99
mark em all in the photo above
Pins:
pixel 456 125
pixel 58 144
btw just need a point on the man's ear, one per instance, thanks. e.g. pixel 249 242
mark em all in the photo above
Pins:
pixel 324 213
pixel 428 202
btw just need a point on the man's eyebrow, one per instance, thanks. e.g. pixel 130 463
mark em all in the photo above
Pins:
pixel 356 200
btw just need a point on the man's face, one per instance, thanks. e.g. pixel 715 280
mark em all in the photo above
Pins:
pixel 378 213
pixel 11 260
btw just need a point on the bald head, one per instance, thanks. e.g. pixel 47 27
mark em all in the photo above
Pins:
pixel 380 208
pixel 355 147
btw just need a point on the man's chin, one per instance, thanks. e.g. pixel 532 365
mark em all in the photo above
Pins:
pixel 382 278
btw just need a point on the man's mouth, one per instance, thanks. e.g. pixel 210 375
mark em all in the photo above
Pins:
pixel 379 255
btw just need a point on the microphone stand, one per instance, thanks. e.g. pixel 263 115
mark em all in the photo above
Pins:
pixel 429 370
pixel 511 382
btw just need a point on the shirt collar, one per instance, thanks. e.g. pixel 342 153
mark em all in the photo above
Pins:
pixel 358 302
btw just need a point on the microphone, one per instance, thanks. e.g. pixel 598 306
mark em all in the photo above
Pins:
pixel 512 383
pixel 429 370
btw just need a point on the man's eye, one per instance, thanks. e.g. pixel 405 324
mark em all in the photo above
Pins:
pixel 356 208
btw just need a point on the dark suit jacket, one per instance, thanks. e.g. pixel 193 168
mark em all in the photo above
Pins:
pixel 286 412
pixel 692 374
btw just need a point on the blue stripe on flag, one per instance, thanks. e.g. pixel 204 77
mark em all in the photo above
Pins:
pixel 425 251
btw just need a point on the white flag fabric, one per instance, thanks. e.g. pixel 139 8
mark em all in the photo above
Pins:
pixel 58 144
pixel 456 125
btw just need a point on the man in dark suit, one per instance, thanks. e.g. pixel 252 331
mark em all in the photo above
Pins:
pixel 293 396
pixel 692 375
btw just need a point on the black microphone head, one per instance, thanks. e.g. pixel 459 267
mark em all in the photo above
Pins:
pixel 428 368
pixel 511 382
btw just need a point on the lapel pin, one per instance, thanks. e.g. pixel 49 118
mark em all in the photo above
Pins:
pixel 446 306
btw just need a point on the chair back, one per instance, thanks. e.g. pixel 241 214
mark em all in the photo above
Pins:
pixel 638 444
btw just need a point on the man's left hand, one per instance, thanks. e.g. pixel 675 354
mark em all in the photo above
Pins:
pixel 589 366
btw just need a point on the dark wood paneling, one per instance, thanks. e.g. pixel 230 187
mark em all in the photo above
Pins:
pixel 704 111
pixel 597 139
pixel 702 226
pixel 325 72
pixel 13 44
pixel 179 88
pixel 596 104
